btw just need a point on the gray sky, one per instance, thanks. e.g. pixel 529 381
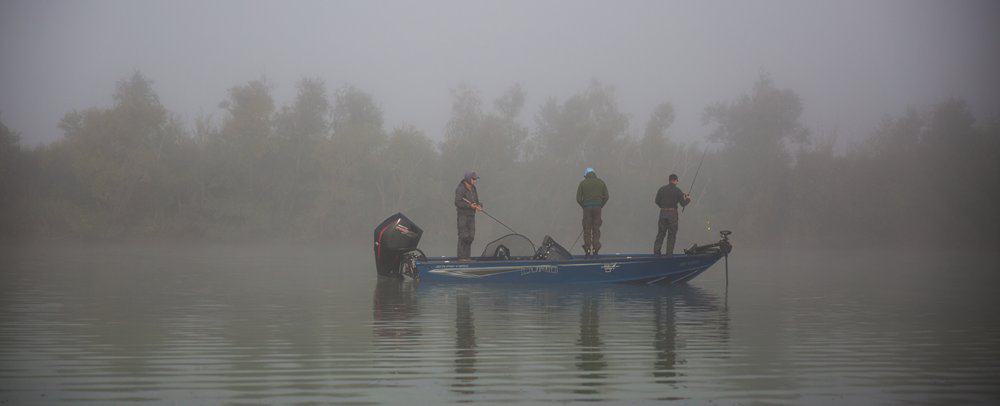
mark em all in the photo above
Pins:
pixel 852 62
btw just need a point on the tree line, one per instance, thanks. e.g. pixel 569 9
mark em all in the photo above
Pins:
pixel 326 167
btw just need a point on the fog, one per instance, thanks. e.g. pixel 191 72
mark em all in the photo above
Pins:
pixel 852 62
pixel 883 113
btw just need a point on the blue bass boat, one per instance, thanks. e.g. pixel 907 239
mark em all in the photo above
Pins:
pixel 514 259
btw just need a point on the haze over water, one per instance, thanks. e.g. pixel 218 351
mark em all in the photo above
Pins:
pixel 228 323
pixel 188 189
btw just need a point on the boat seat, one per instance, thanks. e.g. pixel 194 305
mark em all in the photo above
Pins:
pixel 502 252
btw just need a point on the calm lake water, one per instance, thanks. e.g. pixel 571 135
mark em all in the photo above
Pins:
pixel 262 324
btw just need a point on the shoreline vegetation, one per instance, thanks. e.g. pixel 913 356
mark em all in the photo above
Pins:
pixel 326 167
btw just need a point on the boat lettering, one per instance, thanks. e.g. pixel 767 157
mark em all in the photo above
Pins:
pixel 539 269
pixel 609 267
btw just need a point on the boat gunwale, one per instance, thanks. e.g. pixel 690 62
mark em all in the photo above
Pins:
pixel 575 260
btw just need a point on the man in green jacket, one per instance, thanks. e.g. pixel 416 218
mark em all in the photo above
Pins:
pixel 591 195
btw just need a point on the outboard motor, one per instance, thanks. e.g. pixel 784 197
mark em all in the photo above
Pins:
pixel 397 235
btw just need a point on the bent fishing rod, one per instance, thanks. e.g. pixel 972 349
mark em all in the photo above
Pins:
pixel 489 215
pixel 691 189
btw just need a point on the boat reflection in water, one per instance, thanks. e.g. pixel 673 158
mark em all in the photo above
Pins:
pixel 590 359
pixel 394 306
pixel 544 342
pixel 465 346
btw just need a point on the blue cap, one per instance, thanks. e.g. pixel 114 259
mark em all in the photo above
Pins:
pixel 470 175
pixel 588 170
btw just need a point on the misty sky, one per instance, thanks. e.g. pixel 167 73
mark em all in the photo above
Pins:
pixel 852 62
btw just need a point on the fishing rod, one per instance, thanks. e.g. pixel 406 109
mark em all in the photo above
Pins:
pixel 490 216
pixel 691 189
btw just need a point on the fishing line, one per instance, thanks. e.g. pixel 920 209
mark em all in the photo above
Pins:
pixel 491 216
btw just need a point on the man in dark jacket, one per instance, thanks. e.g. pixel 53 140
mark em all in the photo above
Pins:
pixel 667 198
pixel 591 195
pixel 466 205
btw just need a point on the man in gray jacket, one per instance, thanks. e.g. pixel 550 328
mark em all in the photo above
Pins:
pixel 466 206
pixel 667 198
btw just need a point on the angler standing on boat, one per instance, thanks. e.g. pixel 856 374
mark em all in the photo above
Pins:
pixel 466 205
pixel 667 199
pixel 591 195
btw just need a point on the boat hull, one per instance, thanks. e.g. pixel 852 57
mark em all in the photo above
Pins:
pixel 628 269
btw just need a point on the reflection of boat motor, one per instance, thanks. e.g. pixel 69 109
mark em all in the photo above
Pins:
pixel 396 242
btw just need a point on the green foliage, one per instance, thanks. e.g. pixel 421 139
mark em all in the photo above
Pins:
pixel 585 130
pixel 653 146
pixel 487 141
pixel 407 180
pixel 250 110
pixel 308 118
pixel 755 131
pixel 12 183
pixel 326 168
pixel 10 150
pixel 760 122
pixel 292 170
pixel 120 165
pixel 929 177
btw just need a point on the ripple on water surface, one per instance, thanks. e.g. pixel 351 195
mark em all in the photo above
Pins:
pixel 238 325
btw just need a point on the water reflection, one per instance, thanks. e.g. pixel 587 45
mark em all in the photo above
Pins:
pixel 393 308
pixel 465 346
pixel 664 340
pixel 133 325
pixel 590 359
pixel 85 327
pixel 534 323
pixel 691 304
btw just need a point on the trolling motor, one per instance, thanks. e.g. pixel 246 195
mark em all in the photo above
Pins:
pixel 396 240
pixel 724 243
pixel 726 248
pixel 723 247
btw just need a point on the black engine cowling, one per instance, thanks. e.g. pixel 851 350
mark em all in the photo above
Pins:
pixel 394 237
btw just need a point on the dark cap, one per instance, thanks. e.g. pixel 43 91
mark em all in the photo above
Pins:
pixel 470 175
pixel 673 177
